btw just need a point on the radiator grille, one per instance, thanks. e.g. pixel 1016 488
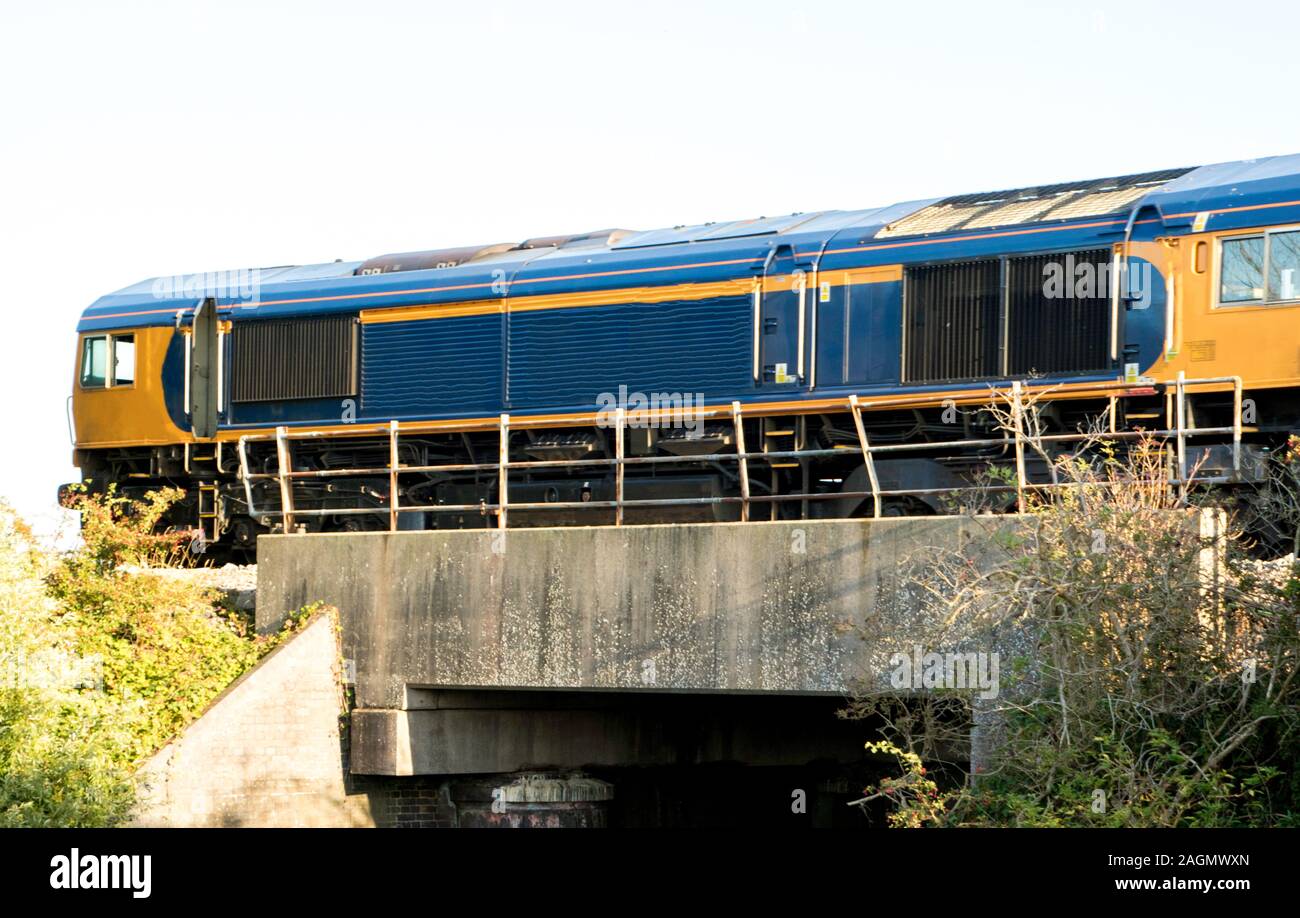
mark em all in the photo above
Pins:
pixel 952 321
pixel 293 359
pixel 997 317
pixel 1068 332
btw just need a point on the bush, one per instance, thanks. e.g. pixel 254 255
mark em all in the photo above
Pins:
pixel 1162 688
pixel 160 650
pixel 56 769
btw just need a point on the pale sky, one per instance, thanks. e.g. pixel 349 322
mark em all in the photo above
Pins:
pixel 154 138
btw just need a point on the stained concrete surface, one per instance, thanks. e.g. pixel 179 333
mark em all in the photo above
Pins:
pixel 472 617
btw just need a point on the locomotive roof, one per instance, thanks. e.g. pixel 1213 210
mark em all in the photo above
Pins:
pixel 1092 212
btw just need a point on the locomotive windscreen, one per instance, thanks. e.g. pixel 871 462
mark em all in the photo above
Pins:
pixel 293 359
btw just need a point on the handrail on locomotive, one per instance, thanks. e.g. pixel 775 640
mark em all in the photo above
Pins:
pixel 1177 430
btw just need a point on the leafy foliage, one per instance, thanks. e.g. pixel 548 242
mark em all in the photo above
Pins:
pixel 917 799
pixel 1162 686
pixel 159 651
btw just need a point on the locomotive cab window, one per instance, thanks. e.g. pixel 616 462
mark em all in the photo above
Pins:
pixel 1241 271
pixel 123 360
pixel 1260 270
pixel 94 362
pixel 1284 266
pixel 107 361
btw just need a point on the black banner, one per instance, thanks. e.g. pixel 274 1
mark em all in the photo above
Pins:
pixel 939 869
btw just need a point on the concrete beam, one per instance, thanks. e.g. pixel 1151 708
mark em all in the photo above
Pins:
pixel 749 607
pixel 573 730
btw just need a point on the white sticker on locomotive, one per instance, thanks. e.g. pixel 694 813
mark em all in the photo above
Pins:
pixel 824 291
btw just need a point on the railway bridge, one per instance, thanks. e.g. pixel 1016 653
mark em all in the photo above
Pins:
pixel 666 674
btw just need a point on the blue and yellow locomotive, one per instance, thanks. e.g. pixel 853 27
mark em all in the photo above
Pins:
pixel 798 366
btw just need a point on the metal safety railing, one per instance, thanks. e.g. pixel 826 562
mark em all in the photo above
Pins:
pixel 1175 433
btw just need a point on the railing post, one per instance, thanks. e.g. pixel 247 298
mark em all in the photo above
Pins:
pixel 1018 429
pixel 620 423
pixel 744 461
pixel 1236 424
pixel 503 472
pixel 393 463
pixel 1181 413
pixel 1166 447
pixel 243 473
pixel 286 482
pixel 867 459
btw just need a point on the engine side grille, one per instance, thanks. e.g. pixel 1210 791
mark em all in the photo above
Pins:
pixel 1067 333
pixel 951 321
pixel 293 359
pixel 999 317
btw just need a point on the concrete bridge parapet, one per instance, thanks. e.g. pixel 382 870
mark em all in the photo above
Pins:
pixel 449 630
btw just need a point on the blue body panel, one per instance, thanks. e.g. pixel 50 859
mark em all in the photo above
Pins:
pixel 422 369
pixel 1144 320
pixel 860 335
pixel 1232 195
pixel 288 413
pixel 568 357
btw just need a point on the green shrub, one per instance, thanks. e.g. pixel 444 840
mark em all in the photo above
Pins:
pixel 1164 682
pixel 162 649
